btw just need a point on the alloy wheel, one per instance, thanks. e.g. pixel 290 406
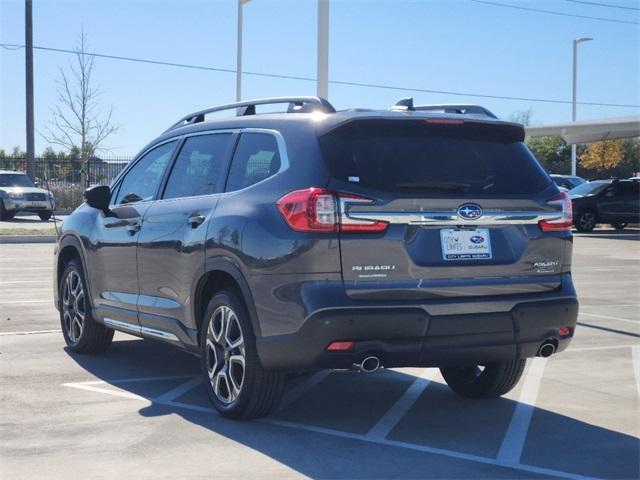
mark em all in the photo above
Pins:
pixel 73 306
pixel 225 354
pixel 587 221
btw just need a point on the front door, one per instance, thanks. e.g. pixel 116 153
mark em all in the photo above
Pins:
pixel 112 258
pixel 172 240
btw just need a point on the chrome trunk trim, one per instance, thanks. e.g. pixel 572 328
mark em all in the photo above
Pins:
pixel 437 218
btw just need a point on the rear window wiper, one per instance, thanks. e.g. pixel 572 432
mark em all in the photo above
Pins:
pixel 437 186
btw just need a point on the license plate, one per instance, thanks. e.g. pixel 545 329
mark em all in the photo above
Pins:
pixel 465 244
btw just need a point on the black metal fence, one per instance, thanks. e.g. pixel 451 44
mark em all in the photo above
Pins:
pixel 68 172
pixel 64 176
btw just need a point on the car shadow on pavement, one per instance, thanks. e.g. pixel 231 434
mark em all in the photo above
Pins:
pixel 352 403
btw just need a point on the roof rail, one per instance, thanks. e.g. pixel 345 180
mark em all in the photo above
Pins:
pixel 296 105
pixel 406 104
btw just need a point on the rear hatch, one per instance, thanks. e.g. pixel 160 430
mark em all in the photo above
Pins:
pixel 461 201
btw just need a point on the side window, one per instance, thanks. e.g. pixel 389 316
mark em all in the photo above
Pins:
pixel 256 158
pixel 142 181
pixel 198 166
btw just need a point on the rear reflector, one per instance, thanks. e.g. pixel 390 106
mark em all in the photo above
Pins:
pixel 564 331
pixel 565 216
pixel 340 346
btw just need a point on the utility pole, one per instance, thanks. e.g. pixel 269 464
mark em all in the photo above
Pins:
pixel 574 160
pixel 28 41
pixel 239 49
pixel 323 49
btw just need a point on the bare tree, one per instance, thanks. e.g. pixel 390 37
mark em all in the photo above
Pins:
pixel 522 117
pixel 78 124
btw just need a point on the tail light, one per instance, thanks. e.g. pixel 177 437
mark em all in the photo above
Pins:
pixel 565 220
pixel 316 210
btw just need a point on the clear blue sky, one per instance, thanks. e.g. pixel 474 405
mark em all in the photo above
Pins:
pixel 455 45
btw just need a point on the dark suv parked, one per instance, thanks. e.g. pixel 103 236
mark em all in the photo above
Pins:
pixel 271 243
pixel 616 202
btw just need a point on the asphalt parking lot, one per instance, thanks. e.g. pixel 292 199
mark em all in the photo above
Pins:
pixel 140 411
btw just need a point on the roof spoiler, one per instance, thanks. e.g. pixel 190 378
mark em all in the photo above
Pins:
pixel 406 104
pixel 296 105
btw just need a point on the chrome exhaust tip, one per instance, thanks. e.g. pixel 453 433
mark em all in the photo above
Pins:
pixel 368 364
pixel 547 349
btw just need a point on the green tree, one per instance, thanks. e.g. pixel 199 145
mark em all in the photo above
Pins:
pixel 17 152
pixel 552 152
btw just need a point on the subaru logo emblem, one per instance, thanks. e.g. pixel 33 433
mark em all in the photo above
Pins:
pixel 477 239
pixel 469 211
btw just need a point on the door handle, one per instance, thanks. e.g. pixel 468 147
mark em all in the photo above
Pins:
pixel 195 220
pixel 133 228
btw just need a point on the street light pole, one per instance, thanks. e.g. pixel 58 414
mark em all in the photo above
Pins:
pixel 323 49
pixel 574 162
pixel 28 34
pixel 239 51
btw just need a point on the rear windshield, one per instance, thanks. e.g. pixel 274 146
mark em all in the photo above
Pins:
pixel 433 159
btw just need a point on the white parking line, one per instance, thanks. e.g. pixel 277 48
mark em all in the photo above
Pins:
pixel 608 317
pixel 180 390
pixel 19 302
pixel 326 431
pixel 399 409
pixel 127 380
pixel 20 282
pixel 426 449
pixel 117 392
pixel 30 332
pixel 513 441
pixel 604 347
pixel 609 305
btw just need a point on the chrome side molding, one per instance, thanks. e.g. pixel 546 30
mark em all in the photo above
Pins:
pixel 127 327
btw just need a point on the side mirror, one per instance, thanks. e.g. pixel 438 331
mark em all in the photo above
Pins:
pixel 37 184
pixel 98 197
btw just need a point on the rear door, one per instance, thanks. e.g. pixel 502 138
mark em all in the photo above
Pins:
pixel 172 239
pixel 462 201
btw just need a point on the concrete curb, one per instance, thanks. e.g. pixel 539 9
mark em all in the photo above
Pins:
pixel 7 239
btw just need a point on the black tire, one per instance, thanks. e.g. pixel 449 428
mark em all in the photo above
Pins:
pixel 259 390
pixel 494 380
pixel 44 216
pixel 586 221
pixel 81 332
pixel 619 226
pixel 3 212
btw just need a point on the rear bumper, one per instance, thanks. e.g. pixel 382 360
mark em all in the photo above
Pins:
pixel 428 335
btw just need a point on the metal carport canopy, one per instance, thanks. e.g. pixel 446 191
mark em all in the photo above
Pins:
pixel 586 131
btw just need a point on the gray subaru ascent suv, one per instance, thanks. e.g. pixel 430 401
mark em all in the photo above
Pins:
pixel 420 236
